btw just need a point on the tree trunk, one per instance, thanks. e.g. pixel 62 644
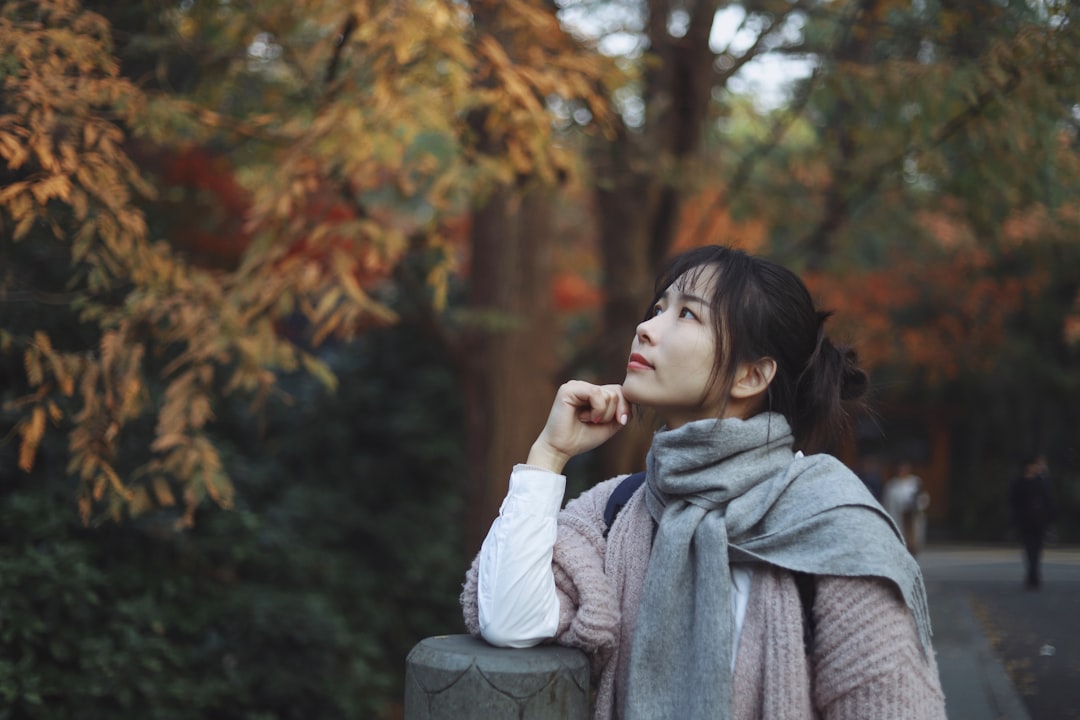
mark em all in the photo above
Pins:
pixel 626 252
pixel 640 197
pixel 509 357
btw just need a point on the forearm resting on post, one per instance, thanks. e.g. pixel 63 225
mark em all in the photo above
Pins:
pixel 516 598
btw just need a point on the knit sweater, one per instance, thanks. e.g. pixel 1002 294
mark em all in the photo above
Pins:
pixel 867 660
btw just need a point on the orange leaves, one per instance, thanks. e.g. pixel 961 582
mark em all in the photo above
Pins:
pixel 949 228
pixel 428 108
pixel 357 148
pixel 47 372
pixel 525 59
pixel 519 124
pixel 113 390
pixel 573 293
pixel 516 82
pixel 1039 223
pixel 706 219
pixel 122 386
pixel 30 432
pixel 13 151
pixel 60 139
pixel 1071 331
pixel 54 186
pixel 938 317
pixel 186 407
pixel 183 450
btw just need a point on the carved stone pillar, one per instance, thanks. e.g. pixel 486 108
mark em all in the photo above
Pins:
pixel 457 677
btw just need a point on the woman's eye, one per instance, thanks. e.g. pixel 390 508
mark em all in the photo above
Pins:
pixel 657 310
pixel 687 313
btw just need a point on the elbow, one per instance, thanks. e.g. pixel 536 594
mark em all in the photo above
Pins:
pixel 510 633
pixel 500 637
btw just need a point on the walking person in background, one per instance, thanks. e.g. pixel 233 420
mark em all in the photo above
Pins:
pixel 1032 509
pixel 744 576
pixel 906 502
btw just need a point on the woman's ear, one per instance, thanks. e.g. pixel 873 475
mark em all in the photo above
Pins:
pixel 753 378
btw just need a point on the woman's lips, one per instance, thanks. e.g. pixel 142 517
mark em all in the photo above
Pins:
pixel 638 362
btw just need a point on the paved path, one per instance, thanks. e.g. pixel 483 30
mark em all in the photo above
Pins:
pixel 1005 653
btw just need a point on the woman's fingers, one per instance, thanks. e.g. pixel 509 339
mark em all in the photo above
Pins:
pixel 616 407
pixel 582 417
pixel 606 404
pixel 598 404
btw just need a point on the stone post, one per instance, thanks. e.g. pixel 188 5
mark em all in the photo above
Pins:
pixel 457 677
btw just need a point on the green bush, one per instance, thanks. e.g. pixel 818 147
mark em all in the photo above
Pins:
pixel 302 602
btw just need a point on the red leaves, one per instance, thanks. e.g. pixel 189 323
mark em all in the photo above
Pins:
pixel 937 316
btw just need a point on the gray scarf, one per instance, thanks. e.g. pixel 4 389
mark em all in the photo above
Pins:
pixel 733 491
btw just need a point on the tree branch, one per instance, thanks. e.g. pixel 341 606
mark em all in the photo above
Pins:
pixel 347 29
pixel 874 179
pixel 37 296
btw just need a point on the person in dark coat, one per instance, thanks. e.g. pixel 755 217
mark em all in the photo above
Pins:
pixel 1031 506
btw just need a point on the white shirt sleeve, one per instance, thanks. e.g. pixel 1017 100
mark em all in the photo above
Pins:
pixel 516 596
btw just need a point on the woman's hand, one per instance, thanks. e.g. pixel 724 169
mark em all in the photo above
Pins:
pixel 583 416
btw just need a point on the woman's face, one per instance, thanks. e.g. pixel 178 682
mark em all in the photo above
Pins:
pixel 672 356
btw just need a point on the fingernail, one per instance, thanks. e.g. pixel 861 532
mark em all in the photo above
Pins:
pixel 623 418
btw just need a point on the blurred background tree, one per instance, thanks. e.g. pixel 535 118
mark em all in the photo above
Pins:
pixel 324 264
pixel 920 170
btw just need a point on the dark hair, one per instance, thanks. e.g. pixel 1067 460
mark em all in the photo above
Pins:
pixel 761 309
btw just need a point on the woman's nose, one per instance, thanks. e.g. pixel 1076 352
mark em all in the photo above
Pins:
pixel 646 330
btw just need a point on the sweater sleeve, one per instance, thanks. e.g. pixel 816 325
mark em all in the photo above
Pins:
pixel 588 604
pixel 868 659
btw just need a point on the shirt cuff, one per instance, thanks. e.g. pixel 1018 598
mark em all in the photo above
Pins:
pixel 534 491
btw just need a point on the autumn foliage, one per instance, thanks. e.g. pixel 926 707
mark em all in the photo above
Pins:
pixel 363 147
pixel 248 189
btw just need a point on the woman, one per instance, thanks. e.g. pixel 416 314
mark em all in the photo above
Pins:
pixel 690 604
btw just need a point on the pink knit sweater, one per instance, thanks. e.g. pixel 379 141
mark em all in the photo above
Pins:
pixel 867 662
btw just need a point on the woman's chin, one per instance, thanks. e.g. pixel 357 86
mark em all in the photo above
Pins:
pixel 628 392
